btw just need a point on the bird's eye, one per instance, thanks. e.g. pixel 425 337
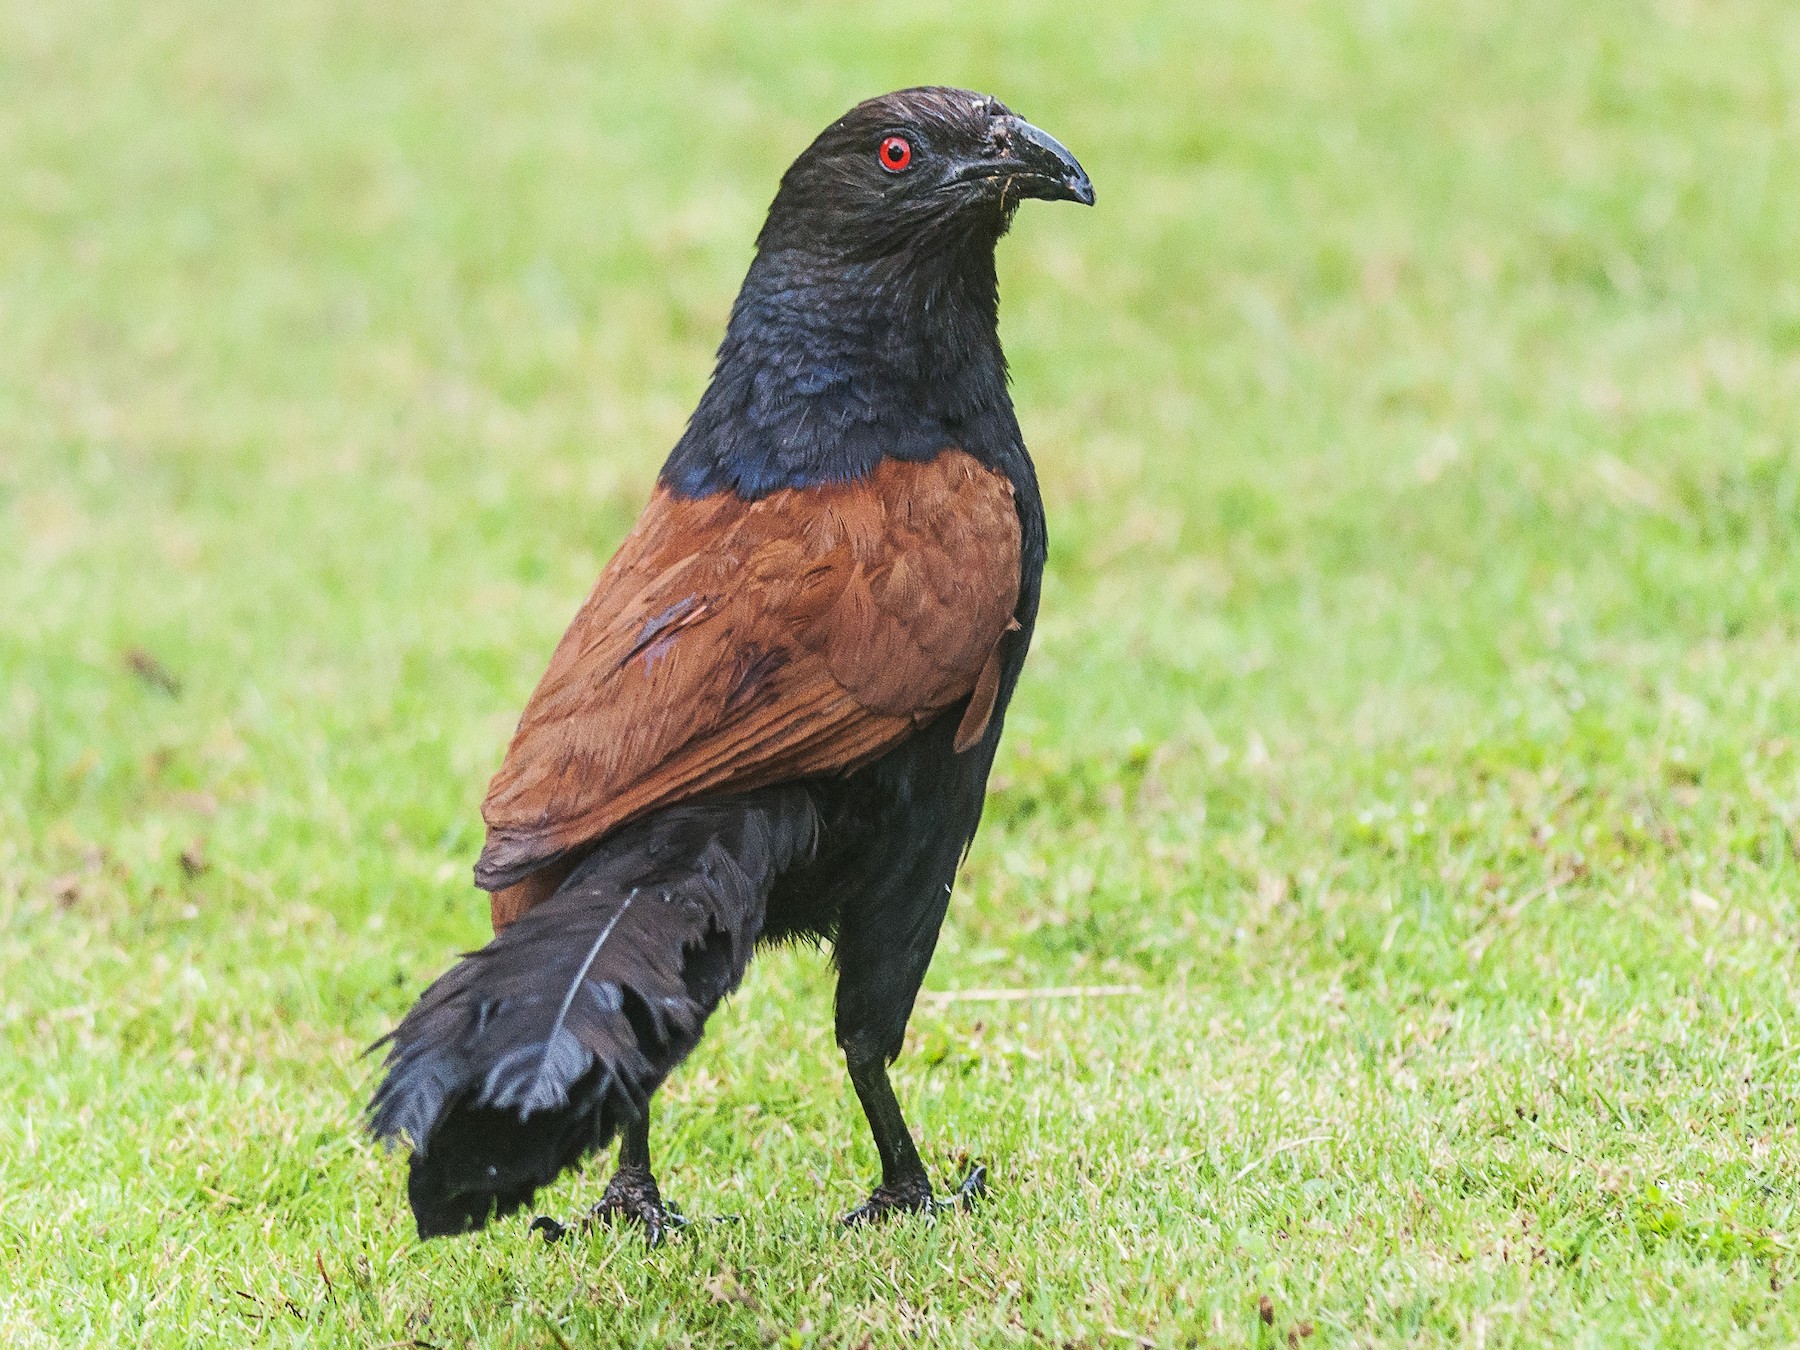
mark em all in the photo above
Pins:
pixel 896 153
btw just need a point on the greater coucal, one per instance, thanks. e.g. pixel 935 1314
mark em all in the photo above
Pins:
pixel 775 714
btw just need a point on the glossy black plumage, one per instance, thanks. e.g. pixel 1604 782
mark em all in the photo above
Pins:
pixel 537 1049
pixel 781 703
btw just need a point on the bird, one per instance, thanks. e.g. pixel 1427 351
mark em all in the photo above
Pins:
pixel 774 716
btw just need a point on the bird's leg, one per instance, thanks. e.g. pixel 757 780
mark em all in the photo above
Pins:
pixel 905 1186
pixel 883 947
pixel 631 1196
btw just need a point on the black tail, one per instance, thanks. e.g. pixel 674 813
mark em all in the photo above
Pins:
pixel 535 1050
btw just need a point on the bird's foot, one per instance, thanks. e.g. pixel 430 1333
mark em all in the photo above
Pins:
pixel 909 1195
pixel 912 1195
pixel 630 1197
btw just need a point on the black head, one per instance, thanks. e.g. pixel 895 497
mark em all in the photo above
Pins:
pixel 868 325
pixel 914 169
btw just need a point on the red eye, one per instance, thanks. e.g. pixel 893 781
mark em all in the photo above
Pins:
pixel 896 153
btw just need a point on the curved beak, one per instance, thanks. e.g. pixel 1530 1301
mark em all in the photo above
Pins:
pixel 1047 169
pixel 1023 161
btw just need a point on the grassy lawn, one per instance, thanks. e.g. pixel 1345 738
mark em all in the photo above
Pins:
pixel 1414 722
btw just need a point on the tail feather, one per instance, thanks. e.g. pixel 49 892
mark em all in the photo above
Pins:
pixel 537 1049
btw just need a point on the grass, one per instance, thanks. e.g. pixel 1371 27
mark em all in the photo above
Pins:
pixel 1415 718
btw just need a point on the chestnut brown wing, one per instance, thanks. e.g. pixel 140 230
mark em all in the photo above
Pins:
pixel 732 644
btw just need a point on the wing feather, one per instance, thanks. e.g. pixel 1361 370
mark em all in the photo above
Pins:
pixel 731 644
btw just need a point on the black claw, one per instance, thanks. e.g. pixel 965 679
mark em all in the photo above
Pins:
pixel 632 1197
pixel 914 1196
pixel 911 1195
pixel 971 1189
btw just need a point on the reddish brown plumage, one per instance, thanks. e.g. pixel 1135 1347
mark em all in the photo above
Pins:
pixel 733 644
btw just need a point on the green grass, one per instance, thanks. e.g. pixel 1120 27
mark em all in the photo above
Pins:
pixel 1415 716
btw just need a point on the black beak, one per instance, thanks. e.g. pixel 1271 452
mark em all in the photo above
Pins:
pixel 1046 169
pixel 1024 162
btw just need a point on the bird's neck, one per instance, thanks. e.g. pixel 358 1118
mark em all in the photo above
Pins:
pixel 830 365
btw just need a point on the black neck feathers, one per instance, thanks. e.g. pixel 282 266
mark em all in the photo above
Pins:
pixel 835 358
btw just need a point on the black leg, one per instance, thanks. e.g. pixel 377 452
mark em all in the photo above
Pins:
pixel 905 1186
pixel 895 894
pixel 899 1157
pixel 882 952
pixel 634 1146
pixel 631 1196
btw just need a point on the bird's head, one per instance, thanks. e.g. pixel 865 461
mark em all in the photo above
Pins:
pixel 917 170
pixel 868 325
